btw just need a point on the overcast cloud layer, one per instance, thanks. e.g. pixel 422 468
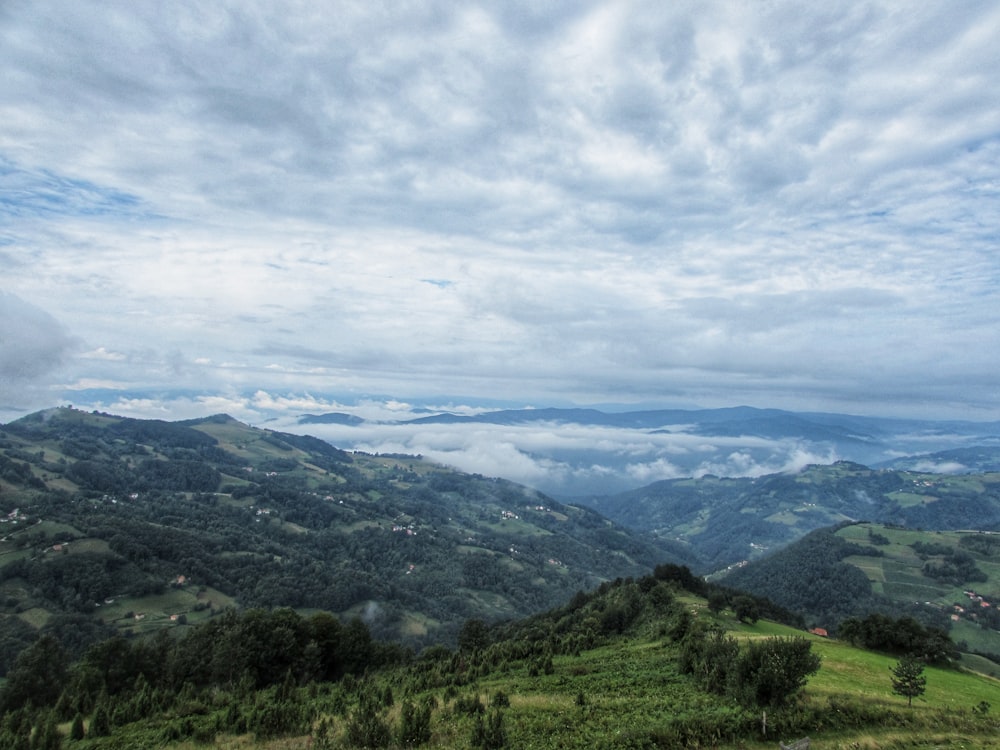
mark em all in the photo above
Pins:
pixel 688 203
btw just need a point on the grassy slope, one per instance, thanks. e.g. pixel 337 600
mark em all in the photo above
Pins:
pixel 630 691
pixel 898 576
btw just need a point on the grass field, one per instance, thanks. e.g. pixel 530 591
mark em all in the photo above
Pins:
pixel 624 695
pixel 898 575
pixel 146 614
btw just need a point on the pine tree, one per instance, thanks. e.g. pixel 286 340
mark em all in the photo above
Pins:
pixel 100 725
pixel 76 732
pixel 414 725
pixel 47 736
pixel 323 736
pixel 908 678
pixel 366 726
pixel 489 734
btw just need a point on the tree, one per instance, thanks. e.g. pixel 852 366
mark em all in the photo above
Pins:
pixel 366 726
pixel 746 609
pixel 489 734
pixel 769 672
pixel 474 636
pixel 717 601
pixel 37 677
pixel 414 725
pixel 77 732
pixel 47 736
pixel 100 724
pixel 908 678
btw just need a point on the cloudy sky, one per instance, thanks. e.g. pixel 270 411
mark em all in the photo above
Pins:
pixel 278 205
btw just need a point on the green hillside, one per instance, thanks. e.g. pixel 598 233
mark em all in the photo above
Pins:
pixel 949 579
pixel 731 520
pixel 636 663
pixel 120 525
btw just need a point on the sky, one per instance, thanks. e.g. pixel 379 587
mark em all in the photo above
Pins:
pixel 280 207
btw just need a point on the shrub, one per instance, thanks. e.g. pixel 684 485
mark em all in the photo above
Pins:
pixel 770 671
pixel 489 733
pixel 414 724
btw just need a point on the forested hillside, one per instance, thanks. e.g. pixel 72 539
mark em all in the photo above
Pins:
pixel 729 520
pixel 946 580
pixel 119 525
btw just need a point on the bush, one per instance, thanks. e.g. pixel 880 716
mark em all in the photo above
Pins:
pixel 770 671
pixel 366 726
pixel 763 673
pixel 414 725
pixel 469 705
pixel 489 733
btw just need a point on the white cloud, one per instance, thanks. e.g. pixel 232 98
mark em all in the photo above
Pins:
pixel 940 467
pixel 711 203
pixel 102 353
pixel 33 348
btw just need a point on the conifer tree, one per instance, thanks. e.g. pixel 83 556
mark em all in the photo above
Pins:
pixel 414 724
pixel 908 678
pixel 77 732
pixel 100 724
pixel 489 733
pixel 47 736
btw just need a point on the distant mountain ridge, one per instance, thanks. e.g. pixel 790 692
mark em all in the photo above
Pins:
pixel 729 419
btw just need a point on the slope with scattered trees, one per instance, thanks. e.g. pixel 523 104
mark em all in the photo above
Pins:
pixel 634 663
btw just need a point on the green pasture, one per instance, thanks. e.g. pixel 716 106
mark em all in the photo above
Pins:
pixel 52 528
pixel 622 694
pixel 898 575
pixel 9 552
pixel 909 499
pixel 36 617
pixel 149 613
pixel 98 546
pixel 973 637
pixel 516 526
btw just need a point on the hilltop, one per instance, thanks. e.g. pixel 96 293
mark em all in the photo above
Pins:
pixel 122 525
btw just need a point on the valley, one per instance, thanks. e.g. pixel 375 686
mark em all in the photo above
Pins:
pixel 107 520
pixel 156 535
pixel 736 519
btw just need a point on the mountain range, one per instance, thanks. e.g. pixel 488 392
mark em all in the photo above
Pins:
pixel 112 524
